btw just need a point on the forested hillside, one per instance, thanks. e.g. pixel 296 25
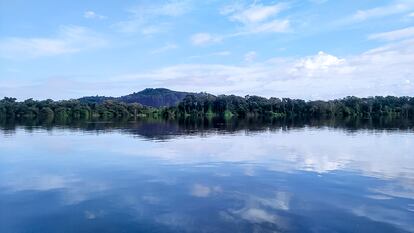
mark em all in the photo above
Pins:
pixel 152 97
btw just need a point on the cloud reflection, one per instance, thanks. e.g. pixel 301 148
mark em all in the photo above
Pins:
pixel 259 180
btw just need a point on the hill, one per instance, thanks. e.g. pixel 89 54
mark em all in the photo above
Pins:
pixel 153 97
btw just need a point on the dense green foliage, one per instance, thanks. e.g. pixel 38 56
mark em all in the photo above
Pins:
pixel 49 110
pixel 206 105
pixel 152 97
pixel 274 107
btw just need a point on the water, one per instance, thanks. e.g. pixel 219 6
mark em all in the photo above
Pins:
pixel 237 177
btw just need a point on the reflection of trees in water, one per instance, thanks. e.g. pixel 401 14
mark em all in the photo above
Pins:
pixel 165 129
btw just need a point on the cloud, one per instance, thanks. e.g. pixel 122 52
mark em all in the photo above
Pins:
pixel 255 13
pixel 171 9
pixel 70 39
pixel 394 35
pixel 272 26
pixel 257 18
pixel 165 48
pixel 204 38
pixel 93 15
pixel 141 17
pixel 386 70
pixel 213 54
pixel 315 64
pixel 382 11
pixel 250 56
pixel 138 25
pixel 174 8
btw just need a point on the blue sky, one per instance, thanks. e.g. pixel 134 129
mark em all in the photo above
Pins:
pixel 310 49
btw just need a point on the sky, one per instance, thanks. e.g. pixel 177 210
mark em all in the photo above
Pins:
pixel 308 49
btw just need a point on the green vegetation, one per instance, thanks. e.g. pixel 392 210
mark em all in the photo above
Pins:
pixel 204 105
pixel 49 110
pixel 254 106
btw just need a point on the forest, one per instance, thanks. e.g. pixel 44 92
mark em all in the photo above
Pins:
pixel 232 105
pixel 207 105
pixel 49 110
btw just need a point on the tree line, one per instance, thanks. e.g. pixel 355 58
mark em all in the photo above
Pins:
pixel 49 110
pixel 207 105
pixel 231 105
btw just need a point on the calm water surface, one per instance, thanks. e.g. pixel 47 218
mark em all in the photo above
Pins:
pixel 163 177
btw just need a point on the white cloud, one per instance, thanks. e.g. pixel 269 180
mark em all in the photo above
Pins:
pixel 139 25
pixel 385 70
pixel 257 18
pixel 231 8
pixel 171 9
pixel 34 47
pixel 381 71
pixel 70 39
pixel 411 14
pixel 377 12
pixel 272 26
pixel 93 15
pixel 141 17
pixel 394 35
pixel 167 47
pixel 175 8
pixel 204 38
pixel 313 65
pixel 256 13
pixel 250 56
pixel 219 54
